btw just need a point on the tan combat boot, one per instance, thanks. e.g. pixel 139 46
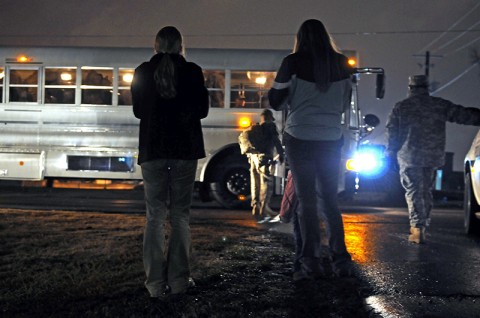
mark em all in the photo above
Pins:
pixel 417 235
pixel 256 211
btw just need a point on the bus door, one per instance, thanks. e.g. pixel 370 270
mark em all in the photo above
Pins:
pixel 20 156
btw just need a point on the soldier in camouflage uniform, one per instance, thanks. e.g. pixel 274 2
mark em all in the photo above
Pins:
pixel 261 169
pixel 416 138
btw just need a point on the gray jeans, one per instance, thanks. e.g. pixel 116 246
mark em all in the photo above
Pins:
pixel 168 188
pixel 315 171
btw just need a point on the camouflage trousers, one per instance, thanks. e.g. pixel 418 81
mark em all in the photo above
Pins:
pixel 418 184
pixel 261 183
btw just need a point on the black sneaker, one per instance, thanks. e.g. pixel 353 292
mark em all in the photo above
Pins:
pixel 344 269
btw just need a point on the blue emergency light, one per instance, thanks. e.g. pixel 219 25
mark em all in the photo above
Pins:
pixel 368 160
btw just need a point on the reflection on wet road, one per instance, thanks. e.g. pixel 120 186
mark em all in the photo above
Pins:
pixel 437 279
pixel 356 238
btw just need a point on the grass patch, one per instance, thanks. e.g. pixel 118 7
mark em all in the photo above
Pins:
pixel 64 264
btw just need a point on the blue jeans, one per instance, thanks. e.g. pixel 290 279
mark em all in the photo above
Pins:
pixel 168 188
pixel 315 171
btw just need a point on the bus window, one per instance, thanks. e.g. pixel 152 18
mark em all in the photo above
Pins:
pixel 97 86
pixel 60 84
pixel 250 89
pixel 23 85
pixel 215 83
pixel 2 76
pixel 125 77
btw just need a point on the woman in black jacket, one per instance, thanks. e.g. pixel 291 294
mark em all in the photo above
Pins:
pixel 170 99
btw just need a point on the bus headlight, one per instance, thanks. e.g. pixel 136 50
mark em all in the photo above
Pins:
pixel 368 161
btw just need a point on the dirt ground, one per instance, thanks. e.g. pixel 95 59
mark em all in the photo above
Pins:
pixel 65 264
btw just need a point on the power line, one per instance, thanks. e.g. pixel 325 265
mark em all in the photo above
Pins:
pixel 455 79
pixel 360 33
pixel 450 28
pixel 463 47
pixel 456 38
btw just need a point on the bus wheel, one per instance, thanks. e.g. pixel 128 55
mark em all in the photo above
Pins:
pixel 232 190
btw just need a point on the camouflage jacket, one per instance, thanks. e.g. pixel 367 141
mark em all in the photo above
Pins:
pixel 416 129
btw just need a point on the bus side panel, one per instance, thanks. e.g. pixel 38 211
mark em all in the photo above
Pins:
pixel 22 166
pixel 59 133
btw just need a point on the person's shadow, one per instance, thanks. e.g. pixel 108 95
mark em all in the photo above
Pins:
pixel 306 300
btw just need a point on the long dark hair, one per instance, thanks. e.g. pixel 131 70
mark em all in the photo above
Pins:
pixel 314 40
pixel 168 41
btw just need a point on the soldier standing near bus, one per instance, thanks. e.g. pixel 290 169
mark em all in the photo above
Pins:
pixel 261 167
pixel 416 138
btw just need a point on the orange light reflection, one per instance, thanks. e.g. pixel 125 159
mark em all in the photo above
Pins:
pixel 357 238
pixel 97 184
pixel 247 222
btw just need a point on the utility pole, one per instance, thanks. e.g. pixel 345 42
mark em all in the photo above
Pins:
pixel 427 64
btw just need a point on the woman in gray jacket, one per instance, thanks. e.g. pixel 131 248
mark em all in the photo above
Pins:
pixel 314 82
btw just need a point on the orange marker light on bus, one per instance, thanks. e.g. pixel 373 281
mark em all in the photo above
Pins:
pixel 23 59
pixel 352 62
pixel 21 163
pixel 244 122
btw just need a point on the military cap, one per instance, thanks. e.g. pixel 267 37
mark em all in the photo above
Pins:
pixel 267 113
pixel 418 80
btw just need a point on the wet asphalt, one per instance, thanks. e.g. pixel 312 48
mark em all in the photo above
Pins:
pixel 438 279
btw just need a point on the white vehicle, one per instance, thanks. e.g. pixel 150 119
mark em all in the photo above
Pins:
pixel 66 113
pixel 471 203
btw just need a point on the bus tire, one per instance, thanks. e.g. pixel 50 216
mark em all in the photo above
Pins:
pixel 232 190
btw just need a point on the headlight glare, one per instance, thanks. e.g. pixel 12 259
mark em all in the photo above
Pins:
pixel 367 161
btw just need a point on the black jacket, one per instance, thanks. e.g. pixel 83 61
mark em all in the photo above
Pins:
pixel 271 136
pixel 170 128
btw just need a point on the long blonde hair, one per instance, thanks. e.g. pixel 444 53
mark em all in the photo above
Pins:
pixel 314 40
pixel 168 41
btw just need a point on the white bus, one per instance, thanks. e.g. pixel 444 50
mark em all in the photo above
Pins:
pixel 65 113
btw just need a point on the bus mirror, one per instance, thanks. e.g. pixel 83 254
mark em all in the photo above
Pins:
pixel 380 88
pixel 371 120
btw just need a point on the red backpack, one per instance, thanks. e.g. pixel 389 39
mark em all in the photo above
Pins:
pixel 289 201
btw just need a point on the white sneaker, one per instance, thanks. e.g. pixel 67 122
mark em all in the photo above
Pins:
pixel 275 219
pixel 265 220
